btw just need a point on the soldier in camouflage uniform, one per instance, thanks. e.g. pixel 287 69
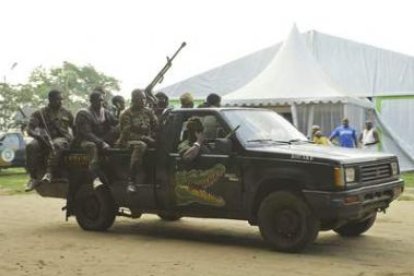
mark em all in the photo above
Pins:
pixel 137 125
pixel 94 128
pixel 51 129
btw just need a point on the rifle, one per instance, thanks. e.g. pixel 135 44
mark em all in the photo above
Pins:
pixel 160 76
pixel 47 140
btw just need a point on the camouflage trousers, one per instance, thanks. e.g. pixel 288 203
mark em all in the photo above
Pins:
pixel 92 152
pixel 36 152
pixel 135 164
pixel 138 150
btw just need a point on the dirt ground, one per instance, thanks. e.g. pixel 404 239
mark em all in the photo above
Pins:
pixel 36 240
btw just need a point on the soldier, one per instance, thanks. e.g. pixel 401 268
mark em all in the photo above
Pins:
pixel 161 105
pixel 50 127
pixel 118 105
pixel 192 145
pixel 104 93
pixel 212 100
pixel 94 128
pixel 187 100
pixel 137 125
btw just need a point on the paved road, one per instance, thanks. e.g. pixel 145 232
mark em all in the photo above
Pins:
pixel 35 240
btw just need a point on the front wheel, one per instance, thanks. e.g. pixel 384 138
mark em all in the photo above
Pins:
pixel 95 210
pixel 353 229
pixel 286 222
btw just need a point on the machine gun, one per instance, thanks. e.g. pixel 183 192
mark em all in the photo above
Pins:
pixel 160 76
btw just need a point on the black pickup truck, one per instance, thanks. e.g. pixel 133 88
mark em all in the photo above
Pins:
pixel 259 168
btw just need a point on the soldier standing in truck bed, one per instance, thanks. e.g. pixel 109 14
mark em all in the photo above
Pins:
pixel 51 129
pixel 94 128
pixel 138 126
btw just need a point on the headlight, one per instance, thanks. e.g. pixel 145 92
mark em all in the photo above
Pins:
pixel 339 177
pixel 349 175
pixel 394 168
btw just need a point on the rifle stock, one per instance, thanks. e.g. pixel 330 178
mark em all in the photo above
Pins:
pixel 160 76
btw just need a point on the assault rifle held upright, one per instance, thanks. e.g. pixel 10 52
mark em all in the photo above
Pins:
pixel 45 136
pixel 160 76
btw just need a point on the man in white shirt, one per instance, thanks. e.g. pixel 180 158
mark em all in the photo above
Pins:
pixel 369 136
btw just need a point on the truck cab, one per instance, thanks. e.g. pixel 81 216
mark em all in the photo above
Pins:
pixel 258 168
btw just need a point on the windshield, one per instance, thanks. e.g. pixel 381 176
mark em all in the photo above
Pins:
pixel 262 126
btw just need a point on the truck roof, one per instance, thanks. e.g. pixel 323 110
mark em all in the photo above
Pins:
pixel 217 109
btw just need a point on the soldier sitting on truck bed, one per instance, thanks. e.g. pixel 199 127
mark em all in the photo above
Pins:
pixel 49 127
pixel 94 128
pixel 138 126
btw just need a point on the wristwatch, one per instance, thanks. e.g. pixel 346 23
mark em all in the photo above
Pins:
pixel 196 144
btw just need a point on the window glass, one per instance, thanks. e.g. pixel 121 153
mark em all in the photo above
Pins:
pixel 257 126
pixel 11 141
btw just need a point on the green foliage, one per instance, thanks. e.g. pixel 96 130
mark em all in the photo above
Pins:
pixel 409 179
pixel 10 99
pixel 12 181
pixel 76 83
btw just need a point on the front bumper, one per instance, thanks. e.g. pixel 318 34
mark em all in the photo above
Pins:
pixel 353 204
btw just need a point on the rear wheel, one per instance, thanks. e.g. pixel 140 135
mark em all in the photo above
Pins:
pixel 286 222
pixel 95 210
pixel 353 229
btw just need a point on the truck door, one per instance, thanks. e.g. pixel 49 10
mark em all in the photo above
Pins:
pixel 212 182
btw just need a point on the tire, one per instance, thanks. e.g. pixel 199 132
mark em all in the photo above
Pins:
pixel 95 210
pixel 353 229
pixel 169 216
pixel 286 222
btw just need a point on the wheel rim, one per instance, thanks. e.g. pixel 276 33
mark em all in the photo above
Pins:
pixel 287 224
pixel 91 208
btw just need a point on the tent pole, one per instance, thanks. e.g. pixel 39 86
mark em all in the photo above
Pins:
pixel 310 120
pixel 294 115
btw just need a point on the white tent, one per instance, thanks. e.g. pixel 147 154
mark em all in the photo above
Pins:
pixel 359 69
pixel 293 76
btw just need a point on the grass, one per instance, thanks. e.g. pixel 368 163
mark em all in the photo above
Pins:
pixel 12 181
pixel 409 179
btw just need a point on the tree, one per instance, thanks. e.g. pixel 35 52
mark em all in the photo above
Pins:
pixel 76 83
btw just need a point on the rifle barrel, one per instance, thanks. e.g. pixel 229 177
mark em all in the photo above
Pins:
pixel 160 76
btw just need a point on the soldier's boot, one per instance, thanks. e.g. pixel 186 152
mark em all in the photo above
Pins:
pixel 52 161
pixel 47 178
pixel 31 184
pixel 136 176
pixel 97 173
pixel 131 188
